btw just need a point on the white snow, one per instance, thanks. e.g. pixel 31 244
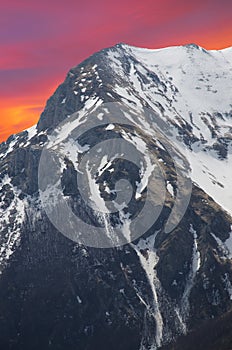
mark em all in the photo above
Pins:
pixel 31 132
pixel 98 202
pixel 79 300
pixel 226 247
pixel 63 132
pixel 194 268
pixel 105 164
pixel 228 244
pixel 100 116
pixel 160 145
pixel 145 174
pixel 12 235
pixel 196 259
pixel 186 66
pixel 213 176
pixel 147 168
pixel 195 87
pixel 125 221
pixel 149 260
pixel 110 127
pixel 10 147
pixel 170 189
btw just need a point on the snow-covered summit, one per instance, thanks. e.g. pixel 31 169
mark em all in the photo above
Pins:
pixel 163 284
pixel 191 89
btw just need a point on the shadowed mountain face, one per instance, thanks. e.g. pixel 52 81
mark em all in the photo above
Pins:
pixel 164 287
pixel 213 334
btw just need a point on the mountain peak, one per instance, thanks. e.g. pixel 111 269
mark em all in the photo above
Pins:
pixel 176 115
pixel 193 46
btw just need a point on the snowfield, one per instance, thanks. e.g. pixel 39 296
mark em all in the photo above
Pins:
pixel 190 88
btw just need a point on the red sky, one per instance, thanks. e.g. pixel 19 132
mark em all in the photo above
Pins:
pixel 41 40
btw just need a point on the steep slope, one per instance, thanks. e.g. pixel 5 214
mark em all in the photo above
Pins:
pixel 214 335
pixel 171 106
pixel 189 88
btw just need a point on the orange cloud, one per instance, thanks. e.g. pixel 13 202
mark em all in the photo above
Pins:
pixel 18 118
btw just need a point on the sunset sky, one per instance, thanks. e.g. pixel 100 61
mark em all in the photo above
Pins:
pixel 41 40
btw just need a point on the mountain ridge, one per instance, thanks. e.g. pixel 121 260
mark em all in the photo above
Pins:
pixel 164 284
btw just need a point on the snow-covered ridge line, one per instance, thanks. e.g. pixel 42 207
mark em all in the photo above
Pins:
pixel 185 86
pixel 190 45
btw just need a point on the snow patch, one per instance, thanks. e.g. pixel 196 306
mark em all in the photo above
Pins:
pixel 149 259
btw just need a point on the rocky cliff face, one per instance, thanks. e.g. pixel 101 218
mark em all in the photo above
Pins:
pixel 172 106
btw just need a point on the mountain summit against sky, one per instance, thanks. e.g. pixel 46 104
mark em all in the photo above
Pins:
pixel 58 294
